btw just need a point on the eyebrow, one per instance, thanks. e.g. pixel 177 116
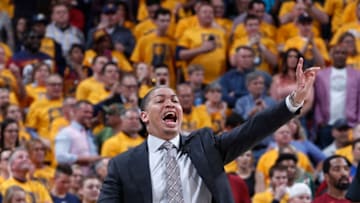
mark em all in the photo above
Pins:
pixel 163 95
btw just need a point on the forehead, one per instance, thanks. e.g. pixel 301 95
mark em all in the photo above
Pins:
pixel 162 92
pixel 338 162
pixel 91 181
pixel 280 173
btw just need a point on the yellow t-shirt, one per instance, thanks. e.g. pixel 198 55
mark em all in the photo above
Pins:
pixel 349 13
pixel 353 61
pixel 148 26
pixel 41 114
pixel 214 62
pixel 198 118
pixel 58 124
pixel 267 197
pixel 217 119
pixel 168 4
pixel 119 143
pixel 87 86
pixel 35 191
pixel 288 6
pixel 143 90
pixel 184 24
pixel 299 42
pixel 117 57
pixel 268 159
pixel 23 134
pixel 7 50
pixel 35 92
pixel 290 30
pixel 346 152
pixel 44 175
pixel 153 49
pixel 48 46
pixel 99 95
pixel 267 30
pixel 225 24
pixel 8 7
pixel 267 42
pixel 335 9
pixel 353 28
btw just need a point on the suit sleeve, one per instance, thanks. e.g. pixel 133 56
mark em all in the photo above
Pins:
pixel 232 144
pixel 112 189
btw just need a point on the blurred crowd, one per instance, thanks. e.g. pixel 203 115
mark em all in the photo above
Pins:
pixel 73 73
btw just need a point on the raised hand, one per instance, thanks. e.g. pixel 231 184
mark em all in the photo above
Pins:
pixel 304 81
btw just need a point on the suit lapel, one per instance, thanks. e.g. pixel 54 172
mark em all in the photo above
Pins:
pixel 138 162
pixel 198 159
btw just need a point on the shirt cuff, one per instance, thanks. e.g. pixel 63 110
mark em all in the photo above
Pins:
pixel 291 107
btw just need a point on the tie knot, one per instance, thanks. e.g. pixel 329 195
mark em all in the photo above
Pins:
pixel 168 145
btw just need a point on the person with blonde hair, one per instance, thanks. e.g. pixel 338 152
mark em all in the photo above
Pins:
pixel 14 194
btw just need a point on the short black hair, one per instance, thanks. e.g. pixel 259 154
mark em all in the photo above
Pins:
pixel 246 48
pixel 285 157
pixel 253 2
pixel 276 167
pixel 146 98
pixel 103 69
pixel 327 165
pixel 152 2
pixel 251 17
pixel 63 169
pixel 162 11
pixel 233 120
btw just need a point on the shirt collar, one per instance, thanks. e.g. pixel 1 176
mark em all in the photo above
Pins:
pixel 154 143
pixel 77 125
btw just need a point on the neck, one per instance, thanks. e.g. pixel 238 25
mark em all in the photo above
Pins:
pixel 97 77
pixel 8 145
pixel 292 74
pixel 57 193
pixel 338 194
pixel 256 96
pixel 339 67
pixel 160 33
pixel 244 170
pixel 116 128
pixel 339 144
pixel 61 25
pixel 19 176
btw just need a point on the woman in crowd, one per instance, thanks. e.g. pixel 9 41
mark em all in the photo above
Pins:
pixel 15 194
pixel 9 134
pixel 246 171
pixel 284 82
pixel 13 111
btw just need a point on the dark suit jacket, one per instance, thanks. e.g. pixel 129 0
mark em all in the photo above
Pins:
pixel 129 180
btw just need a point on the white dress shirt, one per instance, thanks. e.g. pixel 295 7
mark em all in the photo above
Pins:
pixel 194 189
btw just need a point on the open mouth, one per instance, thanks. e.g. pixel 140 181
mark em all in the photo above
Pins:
pixel 170 118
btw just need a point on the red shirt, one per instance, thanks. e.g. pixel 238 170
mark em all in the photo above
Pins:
pixel 329 199
pixel 239 189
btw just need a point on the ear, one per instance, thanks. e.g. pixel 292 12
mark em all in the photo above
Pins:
pixel 144 117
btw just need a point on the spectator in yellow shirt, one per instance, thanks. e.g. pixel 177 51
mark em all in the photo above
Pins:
pixel 205 45
pixel 36 90
pixel 128 137
pixel 219 13
pixel 348 40
pixel 102 45
pixel 283 138
pixel 264 47
pixel 20 166
pixel 148 25
pixel 257 8
pixel 194 117
pixel 290 29
pixel 93 83
pixel 42 112
pixel 312 48
pixel 42 172
pixel 278 187
pixel 215 106
pixel 110 76
pixel 157 47
pixel 352 27
pixel 349 150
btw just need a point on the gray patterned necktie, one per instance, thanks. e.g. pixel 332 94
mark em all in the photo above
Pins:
pixel 172 175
